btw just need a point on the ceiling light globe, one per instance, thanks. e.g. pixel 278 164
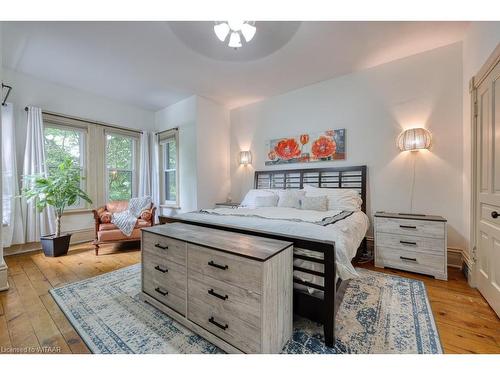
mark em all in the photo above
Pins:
pixel 248 31
pixel 234 40
pixel 221 30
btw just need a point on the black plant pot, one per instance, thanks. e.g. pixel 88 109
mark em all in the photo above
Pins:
pixel 55 246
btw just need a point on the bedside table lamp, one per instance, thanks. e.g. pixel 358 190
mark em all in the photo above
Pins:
pixel 413 140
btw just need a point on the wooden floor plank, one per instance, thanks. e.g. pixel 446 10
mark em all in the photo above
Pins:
pixel 465 321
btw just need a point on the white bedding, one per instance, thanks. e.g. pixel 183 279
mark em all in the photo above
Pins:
pixel 347 233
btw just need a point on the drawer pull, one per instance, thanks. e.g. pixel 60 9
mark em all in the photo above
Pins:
pixel 161 247
pixel 408 243
pixel 408 226
pixel 494 214
pixel 213 264
pixel 162 292
pixel 221 326
pixel 410 259
pixel 164 270
pixel 211 292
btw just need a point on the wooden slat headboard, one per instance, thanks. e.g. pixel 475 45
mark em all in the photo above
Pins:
pixel 335 177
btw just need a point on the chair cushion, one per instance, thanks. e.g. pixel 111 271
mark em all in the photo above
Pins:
pixel 110 226
pixel 117 235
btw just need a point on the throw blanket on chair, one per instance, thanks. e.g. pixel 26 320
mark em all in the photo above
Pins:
pixel 126 220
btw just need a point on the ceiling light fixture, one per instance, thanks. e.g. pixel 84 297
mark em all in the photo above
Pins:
pixel 236 29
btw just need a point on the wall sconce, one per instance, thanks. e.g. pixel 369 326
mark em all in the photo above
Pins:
pixel 245 157
pixel 414 139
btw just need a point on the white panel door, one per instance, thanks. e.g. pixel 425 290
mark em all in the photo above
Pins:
pixel 488 189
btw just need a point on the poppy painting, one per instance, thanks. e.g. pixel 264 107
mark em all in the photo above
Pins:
pixel 307 147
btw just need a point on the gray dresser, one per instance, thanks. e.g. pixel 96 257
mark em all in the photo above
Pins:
pixel 415 243
pixel 234 290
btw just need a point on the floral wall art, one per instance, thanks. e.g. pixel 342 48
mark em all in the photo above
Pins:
pixel 307 148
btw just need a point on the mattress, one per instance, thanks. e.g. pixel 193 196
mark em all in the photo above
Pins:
pixel 347 233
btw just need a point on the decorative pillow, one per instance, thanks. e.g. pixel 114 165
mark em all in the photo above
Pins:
pixel 290 198
pixel 319 203
pixel 338 199
pixel 249 200
pixel 267 201
pixel 105 217
pixel 146 215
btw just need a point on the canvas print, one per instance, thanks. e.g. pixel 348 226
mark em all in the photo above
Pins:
pixel 307 148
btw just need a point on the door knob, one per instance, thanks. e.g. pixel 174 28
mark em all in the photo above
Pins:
pixel 494 214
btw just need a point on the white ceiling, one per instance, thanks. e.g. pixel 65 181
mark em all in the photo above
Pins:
pixel 155 64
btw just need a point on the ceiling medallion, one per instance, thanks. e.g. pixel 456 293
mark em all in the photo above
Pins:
pixel 235 30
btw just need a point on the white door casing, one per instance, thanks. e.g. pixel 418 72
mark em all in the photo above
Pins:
pixel 487 205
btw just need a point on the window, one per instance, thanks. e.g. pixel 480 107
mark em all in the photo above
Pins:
pixel 62 142
pixel 120 165
pixel 169 168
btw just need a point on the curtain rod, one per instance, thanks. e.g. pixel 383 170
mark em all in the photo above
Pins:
pixel 89 121
pixel 166 130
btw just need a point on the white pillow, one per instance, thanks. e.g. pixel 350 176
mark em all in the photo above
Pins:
pixel 319 203
pixel 338 199
pixel 249 200
pixel 266 201
pixel 290 198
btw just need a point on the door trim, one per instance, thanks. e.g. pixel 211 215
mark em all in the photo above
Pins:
pixel 474 83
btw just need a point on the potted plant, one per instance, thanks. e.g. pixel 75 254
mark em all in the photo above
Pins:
pixel 60 190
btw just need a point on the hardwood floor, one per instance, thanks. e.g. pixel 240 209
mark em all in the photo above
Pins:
pixel 29 317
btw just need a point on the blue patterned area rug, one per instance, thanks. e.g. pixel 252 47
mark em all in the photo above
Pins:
pixel 379 314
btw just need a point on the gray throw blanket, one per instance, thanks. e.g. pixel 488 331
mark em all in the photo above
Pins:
pixel 126 220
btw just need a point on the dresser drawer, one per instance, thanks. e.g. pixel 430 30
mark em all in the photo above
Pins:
pixel 410 260
pixel 165 294
pixel 433 229
pixel 165 273
pixel 224 298
pixel 411 243
pixel 164 247
pixel 234 270
pixel 227 326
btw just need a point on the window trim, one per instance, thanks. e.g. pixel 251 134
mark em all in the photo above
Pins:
pixel 164 138
pixel 83 130
pixel 135 162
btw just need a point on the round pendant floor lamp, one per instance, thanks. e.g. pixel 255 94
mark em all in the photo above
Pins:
pixel 414 139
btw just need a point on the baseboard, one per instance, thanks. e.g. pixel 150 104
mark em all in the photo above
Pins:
pixel 77 236
pixel 4 284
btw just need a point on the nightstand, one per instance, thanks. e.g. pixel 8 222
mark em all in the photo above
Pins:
pixel 227 205
pixel 415 243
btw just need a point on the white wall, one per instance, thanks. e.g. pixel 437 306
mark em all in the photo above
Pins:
pixel 183 115
pixel 374 105
pixel 203 151
pixel 479 42
pixel 213 153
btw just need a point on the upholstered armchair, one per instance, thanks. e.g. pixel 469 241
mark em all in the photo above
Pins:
pixel 107 232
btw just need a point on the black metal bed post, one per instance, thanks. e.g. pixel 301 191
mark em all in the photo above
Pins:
pixel 329 295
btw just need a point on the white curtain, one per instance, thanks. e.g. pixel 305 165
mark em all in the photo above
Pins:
pixel 149 183
pixel 12 228
pixel 36 224
pixel 144 166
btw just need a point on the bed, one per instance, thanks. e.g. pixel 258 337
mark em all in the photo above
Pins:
pixel 323 250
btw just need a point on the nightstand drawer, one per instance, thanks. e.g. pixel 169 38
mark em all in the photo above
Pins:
pixel 411 243
pixel 410 260
pixel 434 229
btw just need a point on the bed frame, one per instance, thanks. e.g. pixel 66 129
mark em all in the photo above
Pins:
pixel 311 306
